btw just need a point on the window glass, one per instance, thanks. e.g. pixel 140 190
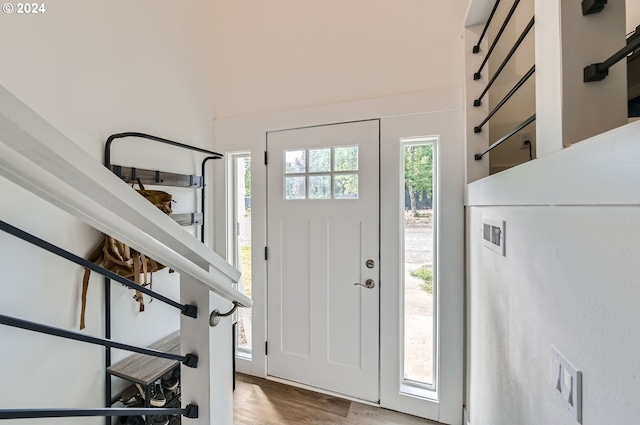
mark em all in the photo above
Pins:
pixel 294 162
pixel 419 277
pixel 339 178
pixel 319 187
pixel 319 160
pixel 346 158
pixel 295 187
pixel 345 186
pixel 240 199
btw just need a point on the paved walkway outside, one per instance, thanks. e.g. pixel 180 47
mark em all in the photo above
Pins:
pixel 418 350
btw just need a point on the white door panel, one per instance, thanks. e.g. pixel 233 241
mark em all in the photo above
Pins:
pixel 323 329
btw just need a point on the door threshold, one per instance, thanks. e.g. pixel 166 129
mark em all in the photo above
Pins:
pixel 321 391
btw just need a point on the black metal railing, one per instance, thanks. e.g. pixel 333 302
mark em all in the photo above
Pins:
pixel 506 60
pixel 476 48
pixel 190 411
pixel 187 310
pixel 107 147
pixel 519 84
pixel 504 138
pixel 477 75
pixel 599 71
pixel 189 360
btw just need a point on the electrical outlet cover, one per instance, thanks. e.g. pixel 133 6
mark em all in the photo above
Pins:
pixel 524 137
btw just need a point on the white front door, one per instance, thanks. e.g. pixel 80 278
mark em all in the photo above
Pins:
pixel 323 257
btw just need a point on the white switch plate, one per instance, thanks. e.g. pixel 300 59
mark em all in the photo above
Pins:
pixel 493 236
pixel 566 382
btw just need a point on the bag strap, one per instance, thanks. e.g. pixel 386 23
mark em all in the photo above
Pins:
pixel 136 277
pixel 96 257
pixel 147 273
pixel 124 251
pixel 139 182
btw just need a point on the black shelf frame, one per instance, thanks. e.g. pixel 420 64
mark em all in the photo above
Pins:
pixel 195 183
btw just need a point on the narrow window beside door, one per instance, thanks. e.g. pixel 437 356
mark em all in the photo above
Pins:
pixel 419 274
pixel 241 242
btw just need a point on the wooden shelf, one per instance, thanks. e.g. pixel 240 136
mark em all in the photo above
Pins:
pixel 143 369
pixel 187 219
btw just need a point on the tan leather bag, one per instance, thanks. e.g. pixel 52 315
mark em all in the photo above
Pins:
pixel 124 260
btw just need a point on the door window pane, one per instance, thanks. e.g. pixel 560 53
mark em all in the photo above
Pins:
pixel 345 186
pixel 294 162
pixel 295 187
pixel 319 187
pixel 319 160
pixel 346 158
pixel 339 168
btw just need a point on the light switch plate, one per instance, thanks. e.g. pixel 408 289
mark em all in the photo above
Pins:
pixel 566 382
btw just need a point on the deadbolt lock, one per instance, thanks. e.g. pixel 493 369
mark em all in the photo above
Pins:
pixel 370 264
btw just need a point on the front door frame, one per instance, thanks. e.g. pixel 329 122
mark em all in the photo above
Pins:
pixel 363 379
pixel 420 114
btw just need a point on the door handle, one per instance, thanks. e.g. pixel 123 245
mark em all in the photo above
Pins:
pixel 369 283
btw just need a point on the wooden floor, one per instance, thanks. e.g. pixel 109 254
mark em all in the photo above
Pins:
pixel 263 402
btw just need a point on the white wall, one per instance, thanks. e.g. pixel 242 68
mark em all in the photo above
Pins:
pixel 569 279
pixel 286 54
pixel 633 15
pixel 93 69
pixel 572 285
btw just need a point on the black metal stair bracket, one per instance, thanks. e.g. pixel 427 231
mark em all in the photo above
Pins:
pixel 476 48
pixel 592 6
pixel 202 195
pixel 517 87
pixel 504 138
pixel 187 310
pixel 477 75
pixel 190 360
pixel 506 60
pixel 190 411
pixel 599 71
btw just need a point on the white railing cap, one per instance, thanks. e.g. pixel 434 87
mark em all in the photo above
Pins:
pixel 38 157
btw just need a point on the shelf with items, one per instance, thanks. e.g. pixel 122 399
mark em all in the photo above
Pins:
pixel 143 371
pixel 152 379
